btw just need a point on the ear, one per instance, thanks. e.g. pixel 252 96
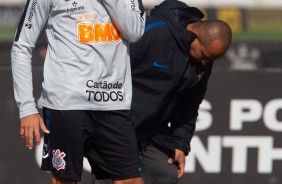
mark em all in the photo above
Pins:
pixel 191 27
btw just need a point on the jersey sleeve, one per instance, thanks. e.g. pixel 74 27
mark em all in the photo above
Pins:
pixel 33 19
pixel 128 16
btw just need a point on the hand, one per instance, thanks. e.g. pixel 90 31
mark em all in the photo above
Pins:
pixel 29 126
pixel 179 160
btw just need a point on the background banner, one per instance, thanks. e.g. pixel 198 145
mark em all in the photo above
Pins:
pixel 238 137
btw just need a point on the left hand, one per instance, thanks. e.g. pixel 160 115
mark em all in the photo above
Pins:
pixel 179 159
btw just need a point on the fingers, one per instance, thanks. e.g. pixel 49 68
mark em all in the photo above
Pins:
pixel 37 133
pixel 43 127
pixel 30 128
pixel 180 159
pixel 26 135
pixel 179 163
pixel 180 169
pixel 170 161
pixel 37 136
pixel 22 133
pixel 30 138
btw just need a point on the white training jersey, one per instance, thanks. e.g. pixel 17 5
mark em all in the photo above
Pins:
pixel 87 65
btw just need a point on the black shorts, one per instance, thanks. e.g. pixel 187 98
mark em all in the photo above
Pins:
pixel 155 168
pixel 106 138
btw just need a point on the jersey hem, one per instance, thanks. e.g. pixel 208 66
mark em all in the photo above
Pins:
pixel 76 107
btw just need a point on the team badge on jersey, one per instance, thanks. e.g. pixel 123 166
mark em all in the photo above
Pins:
pixel 58 159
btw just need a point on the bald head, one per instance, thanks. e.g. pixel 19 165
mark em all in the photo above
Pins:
pixel 213 35
pixel 215 30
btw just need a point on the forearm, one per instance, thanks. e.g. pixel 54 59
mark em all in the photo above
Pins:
pixel 22 80
pixel 25 39
pixel 182 137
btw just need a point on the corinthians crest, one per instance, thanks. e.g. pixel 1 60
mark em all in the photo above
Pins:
pixel 58 159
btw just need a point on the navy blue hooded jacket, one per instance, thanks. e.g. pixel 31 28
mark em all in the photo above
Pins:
pixel 168 86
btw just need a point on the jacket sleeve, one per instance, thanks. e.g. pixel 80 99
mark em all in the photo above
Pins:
pixel 139 51
pixel 32 21
pixel 128 16
pixel 185 113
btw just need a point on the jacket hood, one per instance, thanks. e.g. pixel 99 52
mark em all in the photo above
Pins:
pixel 177 11
pixel 178 15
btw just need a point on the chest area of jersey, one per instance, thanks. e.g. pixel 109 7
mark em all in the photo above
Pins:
pixel 89 19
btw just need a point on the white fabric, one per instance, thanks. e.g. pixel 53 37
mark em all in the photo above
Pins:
pixel 87 65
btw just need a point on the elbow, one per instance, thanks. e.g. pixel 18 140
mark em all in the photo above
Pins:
pixel 134 36
pixel 135 32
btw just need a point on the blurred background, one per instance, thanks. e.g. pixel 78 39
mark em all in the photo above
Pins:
pixel 238 137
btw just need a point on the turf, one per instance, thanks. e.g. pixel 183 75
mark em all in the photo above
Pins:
pixel 7 34
pixel 262 25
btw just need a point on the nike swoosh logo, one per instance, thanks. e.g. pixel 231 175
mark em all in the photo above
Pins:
pixel 156 64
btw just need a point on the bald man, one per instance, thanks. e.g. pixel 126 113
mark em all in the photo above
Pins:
pixel 171 66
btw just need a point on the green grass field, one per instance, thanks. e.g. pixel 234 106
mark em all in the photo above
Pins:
pixel 7 34
pixel 261 25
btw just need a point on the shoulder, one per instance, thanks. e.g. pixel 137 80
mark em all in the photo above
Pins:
pixel 154 22
pixel 156 28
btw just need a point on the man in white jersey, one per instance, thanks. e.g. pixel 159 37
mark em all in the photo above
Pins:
pixel 86 89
